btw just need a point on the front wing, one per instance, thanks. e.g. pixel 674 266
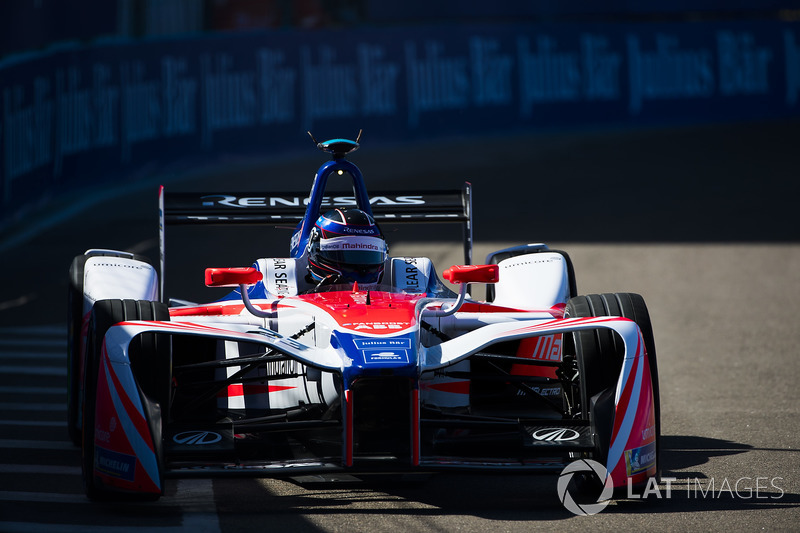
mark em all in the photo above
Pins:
pixel 133 459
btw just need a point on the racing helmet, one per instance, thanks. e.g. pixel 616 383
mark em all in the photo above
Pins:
pixel 346 245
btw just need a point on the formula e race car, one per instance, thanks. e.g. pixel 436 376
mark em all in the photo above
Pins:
pixel 342 359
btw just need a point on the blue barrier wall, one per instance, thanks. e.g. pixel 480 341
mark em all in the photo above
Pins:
pixel 391 12
pixel 85 115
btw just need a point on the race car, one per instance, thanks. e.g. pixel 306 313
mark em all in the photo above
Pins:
pixel 343 359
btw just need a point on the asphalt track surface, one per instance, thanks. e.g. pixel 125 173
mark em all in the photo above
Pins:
pixel 700 221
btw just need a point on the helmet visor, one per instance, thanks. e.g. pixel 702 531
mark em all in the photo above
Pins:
pixel 355 250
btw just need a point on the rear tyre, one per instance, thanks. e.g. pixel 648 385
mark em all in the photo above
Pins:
pixel 600 353
pixel 149 355
pixel 75 341
pixel 74 335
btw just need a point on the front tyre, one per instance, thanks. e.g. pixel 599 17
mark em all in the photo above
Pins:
pixel 74 347
pixel 600 353
pixel 105 314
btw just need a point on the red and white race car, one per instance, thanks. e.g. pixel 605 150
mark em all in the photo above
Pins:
pixel 340 358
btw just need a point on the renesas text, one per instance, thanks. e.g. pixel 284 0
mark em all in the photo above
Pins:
pixel 296 201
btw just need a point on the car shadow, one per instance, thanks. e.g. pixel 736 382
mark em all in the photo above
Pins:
pixel 684 489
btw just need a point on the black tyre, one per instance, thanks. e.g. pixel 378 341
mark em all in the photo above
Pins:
pixel 74 355
pixel 150 361
pixel 600 353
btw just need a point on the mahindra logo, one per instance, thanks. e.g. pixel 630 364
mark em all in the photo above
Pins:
pixel 360 246
pixel 197 438
pixel 555 434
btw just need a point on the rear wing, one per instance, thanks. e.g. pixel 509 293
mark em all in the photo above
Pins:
pixel 277 209
pixel 289 208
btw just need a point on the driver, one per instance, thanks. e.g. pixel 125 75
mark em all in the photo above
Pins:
pixel 346 246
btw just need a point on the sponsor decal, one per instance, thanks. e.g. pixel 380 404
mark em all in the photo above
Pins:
pixel 376 325
pixel 359 231
pixel 279 368
pixel 245 202
pixel 547 347
pixel 102 435
pixel 410 274
pixel 541 348
pixel 281 277
pixel 115 464
pixel 640 459
pixel 547 391
pixel 348 244
pixel 120 265
pixel 385 356
pixel 555 434
pixel 365 344
pixel 197 438
pixel 397 200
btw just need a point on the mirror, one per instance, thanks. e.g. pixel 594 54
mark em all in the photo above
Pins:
pixel 232 277
pixel 472 274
